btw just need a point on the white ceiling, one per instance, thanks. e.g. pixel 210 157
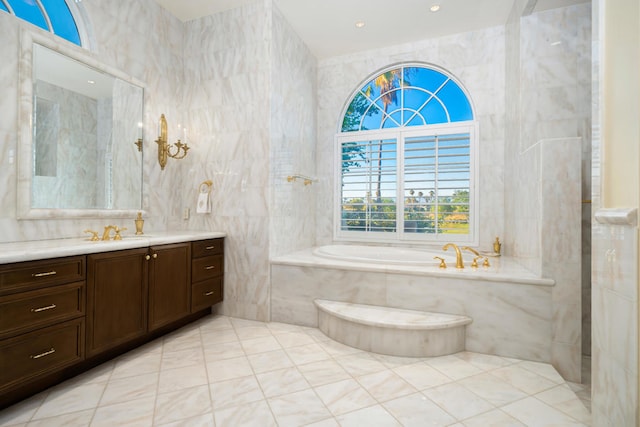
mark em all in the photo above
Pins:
pixel 328 26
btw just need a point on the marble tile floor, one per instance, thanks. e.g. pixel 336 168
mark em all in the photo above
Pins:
pixel 222 371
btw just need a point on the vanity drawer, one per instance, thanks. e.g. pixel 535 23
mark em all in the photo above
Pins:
pixel 202 248
pixel 206 268
pixel 36 274
pixel 44 351
pixel 27 310
pixel 207 293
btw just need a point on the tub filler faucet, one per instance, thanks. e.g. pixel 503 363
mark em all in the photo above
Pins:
pixel 459 263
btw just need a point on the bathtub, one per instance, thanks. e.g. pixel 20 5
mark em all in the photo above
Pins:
pixel 382 254
pixel 509 305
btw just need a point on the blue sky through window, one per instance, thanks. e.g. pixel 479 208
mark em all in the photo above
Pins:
pixel 407 96
pixel 61 19
pixel 57 12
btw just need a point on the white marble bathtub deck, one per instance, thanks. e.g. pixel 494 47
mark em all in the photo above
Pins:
pixel 223 371
pixel 391 318
pixel 502 269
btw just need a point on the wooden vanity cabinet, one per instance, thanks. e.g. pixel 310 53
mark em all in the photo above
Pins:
pixel 42 320
pixel 133 292
pixel 116 298
pixel 207 273
pixel 169 284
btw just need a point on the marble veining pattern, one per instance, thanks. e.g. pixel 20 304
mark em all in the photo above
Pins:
pixel 209 374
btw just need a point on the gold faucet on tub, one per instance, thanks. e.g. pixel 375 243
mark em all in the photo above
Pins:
pixel 459 263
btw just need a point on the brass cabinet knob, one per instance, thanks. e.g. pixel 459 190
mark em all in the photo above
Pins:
pixel 147 257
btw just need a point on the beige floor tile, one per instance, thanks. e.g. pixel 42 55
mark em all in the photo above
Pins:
pixel 182 404
pixel 260 345
pixel 458 401
pixel 419 411
pixel 306 354
pixel 130 388
pixel 344 396
pixel 137 412
pixel 238 391
pixel 63 400
pixel 373 416
pixel 422 376
pixel 227 369
pixel 360 364
pixel 385 385
pixel 255 414
pixel 297 409
pixel 282 381
pixel 181 378
pixel 75 419
pixel 323 372
pixel 269 361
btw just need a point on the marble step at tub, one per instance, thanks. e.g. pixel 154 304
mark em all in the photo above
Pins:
pixel 392 331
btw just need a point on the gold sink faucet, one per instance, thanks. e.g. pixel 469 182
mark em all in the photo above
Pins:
pixel 459 263
pixel 107 232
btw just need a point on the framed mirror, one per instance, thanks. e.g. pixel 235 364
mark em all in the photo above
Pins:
pixel 80 151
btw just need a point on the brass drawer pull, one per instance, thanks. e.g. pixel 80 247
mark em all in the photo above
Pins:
pixel 210 267
pixel 38 310
pixel 48 273
pixel 210 247
pixel 208 294
pixel 46 353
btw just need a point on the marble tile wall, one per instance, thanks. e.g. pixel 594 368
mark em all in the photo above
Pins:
pixel 615 312
pixel 552 86
pixel 560 232
pixel 293 140
pixel 466 57
pixel 250 92
pixel 548 61
pixel 226 93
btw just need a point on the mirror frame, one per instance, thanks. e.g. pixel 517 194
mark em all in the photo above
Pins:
pixel 25 127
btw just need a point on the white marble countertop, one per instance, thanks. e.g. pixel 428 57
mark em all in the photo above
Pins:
pixel 43 249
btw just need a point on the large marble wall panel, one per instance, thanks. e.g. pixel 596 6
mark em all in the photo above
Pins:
pixel 292 141
pixel 561 210
pixel 466 57
pixel 549 79
pixel 547 53
pixel 226 93
pixel 615 318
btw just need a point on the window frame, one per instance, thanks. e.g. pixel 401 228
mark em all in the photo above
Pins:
pixel 400 134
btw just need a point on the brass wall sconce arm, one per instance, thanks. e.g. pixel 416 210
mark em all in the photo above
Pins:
pixel 164 149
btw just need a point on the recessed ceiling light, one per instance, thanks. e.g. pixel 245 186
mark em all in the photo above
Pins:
pixel 91 82
pixel 434 8
pixel 359 24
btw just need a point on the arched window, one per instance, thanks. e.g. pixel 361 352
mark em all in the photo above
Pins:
pixel 54 16
pixel 407 145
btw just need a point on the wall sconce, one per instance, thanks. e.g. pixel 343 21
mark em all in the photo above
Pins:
pixel 164 149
